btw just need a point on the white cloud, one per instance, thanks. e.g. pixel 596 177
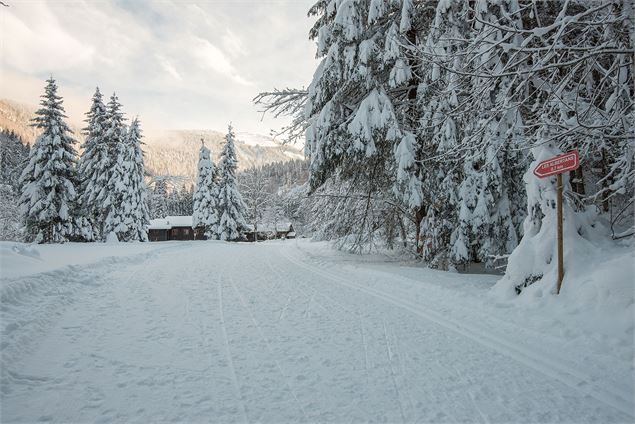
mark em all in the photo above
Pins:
pixel 37 42
pixel 232 44
pixel 169 67
pixel 176 64
pixel 211 57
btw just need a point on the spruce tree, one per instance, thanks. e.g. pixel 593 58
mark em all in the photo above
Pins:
pixel 159 198
pixel 14 155
pixel 95 165
pixel 205 214
pixel 115 138
pixel 131 213
pixel 49 179
pixel 231 208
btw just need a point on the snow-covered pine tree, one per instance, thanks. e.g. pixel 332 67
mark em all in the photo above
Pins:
pixel 133 216
pixel 205 198
pixel 115 139
pixel 94 166
pixel 14 154
pixel 231 208
pixel 48 182
pixel 440 131
pixel 351 111
pixel 13 159
pixel 255 188
pixel 490 196
pixel 159 197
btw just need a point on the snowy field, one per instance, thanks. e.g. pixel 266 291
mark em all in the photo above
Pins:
pixel 292 332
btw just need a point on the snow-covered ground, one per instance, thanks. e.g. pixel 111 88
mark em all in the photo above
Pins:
pixel 291 332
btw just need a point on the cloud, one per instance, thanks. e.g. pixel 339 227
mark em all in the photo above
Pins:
pixel 176 64
pixel 232 44
pixel 37 42
pixel 169 67
pixel 211 57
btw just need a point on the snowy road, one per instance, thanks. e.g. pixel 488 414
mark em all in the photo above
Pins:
pixel 198 332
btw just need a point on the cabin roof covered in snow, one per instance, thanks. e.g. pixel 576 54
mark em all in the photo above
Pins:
pixel 179 221
pixel 170 222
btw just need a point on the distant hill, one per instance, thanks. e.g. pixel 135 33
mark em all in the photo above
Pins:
pixel 16 117
pixel 175 152
pixel 170 152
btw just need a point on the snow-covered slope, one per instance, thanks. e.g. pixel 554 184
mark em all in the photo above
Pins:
pixel 16 117
pixel 169 152
pixel 292 332
pixel 175 152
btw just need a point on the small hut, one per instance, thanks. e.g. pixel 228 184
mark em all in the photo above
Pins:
pixel 173 228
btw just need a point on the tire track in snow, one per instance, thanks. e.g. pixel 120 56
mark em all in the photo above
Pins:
pixel 230 360
pixel 571 377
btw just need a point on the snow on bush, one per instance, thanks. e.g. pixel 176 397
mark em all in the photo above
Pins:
pixel 112 238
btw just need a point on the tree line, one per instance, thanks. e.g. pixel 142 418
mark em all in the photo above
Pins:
pixel 102 194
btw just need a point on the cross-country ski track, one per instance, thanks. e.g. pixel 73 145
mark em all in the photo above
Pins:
pixel 284 332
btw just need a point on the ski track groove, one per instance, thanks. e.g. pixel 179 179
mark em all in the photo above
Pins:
pixel 471 395
pixel 365 345
pixel 268 344
pixel 401 358
pixel 299 286
pixel 575 379
pixel 392 374
pixel 230 360
pixel 284 309
pixel 347 310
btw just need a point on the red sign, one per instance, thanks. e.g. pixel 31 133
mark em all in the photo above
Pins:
pixel 562 163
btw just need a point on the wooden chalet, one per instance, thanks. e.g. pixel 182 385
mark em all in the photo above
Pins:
pixel 173 228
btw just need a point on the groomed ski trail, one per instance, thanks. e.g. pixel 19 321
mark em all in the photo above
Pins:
pixel 221 332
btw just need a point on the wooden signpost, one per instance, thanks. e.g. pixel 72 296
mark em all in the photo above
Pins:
pixel 556 166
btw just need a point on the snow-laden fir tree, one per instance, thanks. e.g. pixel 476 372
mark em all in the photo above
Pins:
pixel 205 213
pixel 159 198
pixel 13 159
pixel 490 196
pixel 14 154
pixel 255 188
pixel 95 164
pixel 49 180
pixel 130 217
pixel 115 139
pixel 231 208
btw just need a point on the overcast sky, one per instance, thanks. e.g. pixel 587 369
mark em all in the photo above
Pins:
pixel 177 64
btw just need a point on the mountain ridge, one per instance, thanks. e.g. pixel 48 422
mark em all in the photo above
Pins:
pixel 169 151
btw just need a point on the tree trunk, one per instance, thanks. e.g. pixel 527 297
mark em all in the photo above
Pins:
pixel 402 229
pixel 419 215
pixel 577 177
pixel 606 182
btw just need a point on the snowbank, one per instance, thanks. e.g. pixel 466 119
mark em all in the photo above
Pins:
pixel 598 288
pixel 20 259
